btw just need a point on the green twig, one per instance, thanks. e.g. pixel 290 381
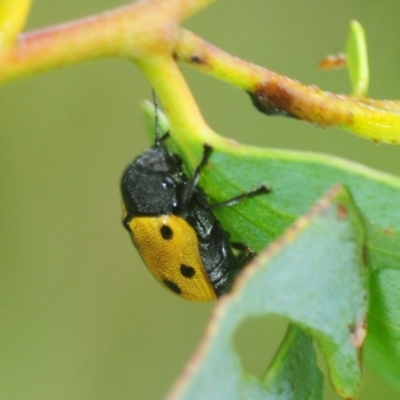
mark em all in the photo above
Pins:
pixel 148 33
pixel 377 120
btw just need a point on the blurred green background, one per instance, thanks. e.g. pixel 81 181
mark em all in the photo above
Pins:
pixel 81 317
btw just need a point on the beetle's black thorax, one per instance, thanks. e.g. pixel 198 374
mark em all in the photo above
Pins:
pixel 152 183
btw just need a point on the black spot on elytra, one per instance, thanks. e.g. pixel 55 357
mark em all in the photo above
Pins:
pixel 166 232
pixel 187 271
pixel 172 286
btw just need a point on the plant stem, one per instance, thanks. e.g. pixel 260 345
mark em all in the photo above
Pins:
pixel 138 30
pixel 377 120
pixel 148 33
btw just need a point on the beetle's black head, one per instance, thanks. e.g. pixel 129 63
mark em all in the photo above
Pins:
pixel 152 184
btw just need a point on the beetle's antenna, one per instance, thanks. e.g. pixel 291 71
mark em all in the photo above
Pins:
pixel 157 117
pixel 160 138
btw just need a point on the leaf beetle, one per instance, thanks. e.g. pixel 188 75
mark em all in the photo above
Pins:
pixel 173 226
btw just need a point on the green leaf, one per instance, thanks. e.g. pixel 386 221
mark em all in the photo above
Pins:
pixel 262 220
pixel 293 373
pixel 383 340
pixel 315 277
pixel 357 59
pixel 297 181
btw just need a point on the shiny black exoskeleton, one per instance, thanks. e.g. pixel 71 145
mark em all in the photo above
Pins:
pixel 173 226
pixel 155 184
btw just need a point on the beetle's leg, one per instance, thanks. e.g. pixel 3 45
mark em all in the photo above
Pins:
pixel 164 137
pixel 246 254
pixel 187 195
pixel 242 247
pixel 237 199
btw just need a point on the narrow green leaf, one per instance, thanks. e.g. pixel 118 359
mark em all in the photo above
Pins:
pixel 315 277
pixel 357 59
